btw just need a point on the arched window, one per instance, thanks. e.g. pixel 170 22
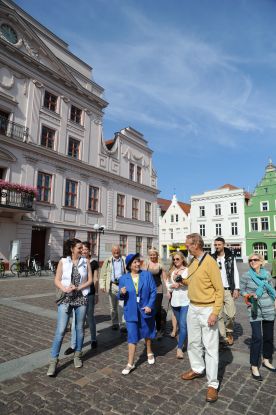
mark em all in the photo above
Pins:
pixel 274 250
pixel 260 248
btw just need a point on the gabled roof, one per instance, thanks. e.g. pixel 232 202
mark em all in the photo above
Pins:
pixel 164 204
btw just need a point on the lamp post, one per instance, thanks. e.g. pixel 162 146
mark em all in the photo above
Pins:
pixel 99 229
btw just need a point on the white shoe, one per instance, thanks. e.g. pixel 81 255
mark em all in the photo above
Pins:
pixel 151 359
pixel 128 369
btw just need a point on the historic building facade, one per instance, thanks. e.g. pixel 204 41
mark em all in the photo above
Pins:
pixel 260 216
pixel 220 212
pixel 174 226
pixel 51 116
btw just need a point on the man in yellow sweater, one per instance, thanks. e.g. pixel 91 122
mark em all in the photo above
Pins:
pixel 205 291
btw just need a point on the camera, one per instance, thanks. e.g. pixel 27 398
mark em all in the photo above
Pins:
pixel 178 279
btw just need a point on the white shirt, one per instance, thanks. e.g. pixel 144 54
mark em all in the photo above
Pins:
pixel 221 264
pixel 179 295
pixel 117 268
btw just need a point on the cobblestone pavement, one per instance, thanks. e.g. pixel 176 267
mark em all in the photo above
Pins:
pixel 27 315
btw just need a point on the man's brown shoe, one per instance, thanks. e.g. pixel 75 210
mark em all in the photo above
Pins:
pixel 190 375
pixel 230 339
pixel 211 395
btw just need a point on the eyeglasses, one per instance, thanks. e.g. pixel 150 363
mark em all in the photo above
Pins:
pixel 254 260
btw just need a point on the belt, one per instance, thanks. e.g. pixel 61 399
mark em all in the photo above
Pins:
pixel 227 289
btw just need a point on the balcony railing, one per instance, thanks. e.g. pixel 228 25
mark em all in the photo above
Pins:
pixel 12 129
pixel 16 199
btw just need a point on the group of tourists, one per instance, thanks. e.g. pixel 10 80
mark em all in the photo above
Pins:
pixel 201 291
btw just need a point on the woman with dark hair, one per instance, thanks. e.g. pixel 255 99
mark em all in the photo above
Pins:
pixel 73 278
pixel 259 295
pixel 179 297
pixel 92 301
pixel 138 290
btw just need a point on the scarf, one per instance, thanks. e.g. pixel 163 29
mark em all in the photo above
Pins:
pixel 261 281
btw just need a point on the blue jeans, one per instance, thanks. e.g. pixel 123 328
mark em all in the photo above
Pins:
pixel 90 318
pixel 181 317
pixel 64 311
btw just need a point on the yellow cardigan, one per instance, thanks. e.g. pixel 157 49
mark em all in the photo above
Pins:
pixel 204 282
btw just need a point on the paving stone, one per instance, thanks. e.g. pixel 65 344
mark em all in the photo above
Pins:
pixel 239 407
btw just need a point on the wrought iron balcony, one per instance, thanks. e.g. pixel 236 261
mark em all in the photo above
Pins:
pixel 13 199
pixel 12 129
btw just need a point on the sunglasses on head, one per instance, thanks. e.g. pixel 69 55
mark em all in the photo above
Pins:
pixel 254 260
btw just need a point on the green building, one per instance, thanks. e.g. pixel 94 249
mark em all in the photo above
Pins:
pixel 260 217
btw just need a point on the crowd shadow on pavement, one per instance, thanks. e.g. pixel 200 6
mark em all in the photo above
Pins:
pixel 225 359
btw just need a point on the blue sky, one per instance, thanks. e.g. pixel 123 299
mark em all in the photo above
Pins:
pixel 196 77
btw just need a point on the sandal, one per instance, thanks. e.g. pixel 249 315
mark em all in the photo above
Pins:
pixel 151 359
pixel 128 369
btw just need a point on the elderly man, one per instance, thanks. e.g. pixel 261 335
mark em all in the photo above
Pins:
pixel 113 268
pixel 205 291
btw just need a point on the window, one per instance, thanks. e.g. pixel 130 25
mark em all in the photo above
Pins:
pixel 120 205
pixel 135 208
pixel 148 212
pixel 172 218
pixel 233 208
pixel 254 224
pixel 202 230
pixel 201 211
pixel 264 206
pixel 217 210
pixel 92 239
pixel 149 244
pixel 260 248
pixel 139 244
pixel 131 171
pixel 264 224
pixel 44 182
pixel 171 232
pixel 123 244
pixel 47 137
pixel 75 114
pixel 93 201
pixel 139 174
pixel 234 228
pixel 176 217
pixel 218 229
pixel 71 193
pixel 50 101
pixel 74 148
pixel 274 250
pixel 2 173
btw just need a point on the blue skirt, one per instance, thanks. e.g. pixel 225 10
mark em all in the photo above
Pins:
pixel 144 328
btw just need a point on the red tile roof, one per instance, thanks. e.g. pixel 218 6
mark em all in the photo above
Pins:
pixel 165 203
pixel 231 187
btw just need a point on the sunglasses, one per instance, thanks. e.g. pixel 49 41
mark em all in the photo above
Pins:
pixel 220 265
pixel 254 260
pixel 176 259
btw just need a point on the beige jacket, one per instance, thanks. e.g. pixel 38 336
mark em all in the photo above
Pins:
pixel 106 272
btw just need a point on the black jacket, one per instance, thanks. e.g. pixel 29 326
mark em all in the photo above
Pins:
pixel 229 267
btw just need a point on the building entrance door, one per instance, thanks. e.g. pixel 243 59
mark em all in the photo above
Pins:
pixel 38 244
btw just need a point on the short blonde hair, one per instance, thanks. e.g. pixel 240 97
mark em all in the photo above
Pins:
pixel 255 254
pixel 153 250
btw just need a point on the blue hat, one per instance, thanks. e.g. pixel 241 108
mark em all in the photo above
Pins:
pixel 130 258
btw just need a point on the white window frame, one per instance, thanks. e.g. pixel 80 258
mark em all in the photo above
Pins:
pixel 268 221
pixel 261 206
pixel 250 227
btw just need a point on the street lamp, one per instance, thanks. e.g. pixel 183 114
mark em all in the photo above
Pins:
pixel 99 229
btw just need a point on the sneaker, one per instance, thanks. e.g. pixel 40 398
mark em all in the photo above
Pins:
pixel 94 344
pixel 151 359
pixel 179 354
pixel 68 351
pixel 128 369
pixel 52 367
pixel 77 360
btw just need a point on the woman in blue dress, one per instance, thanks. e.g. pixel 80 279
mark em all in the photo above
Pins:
pixel 138 290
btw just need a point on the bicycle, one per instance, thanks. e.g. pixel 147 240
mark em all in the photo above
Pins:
pixel 33 266
pixel 2 268
pixel 51 266
pixel 18 268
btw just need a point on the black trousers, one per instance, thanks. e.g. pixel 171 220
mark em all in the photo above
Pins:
pixel 261 341
pixel 158 306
